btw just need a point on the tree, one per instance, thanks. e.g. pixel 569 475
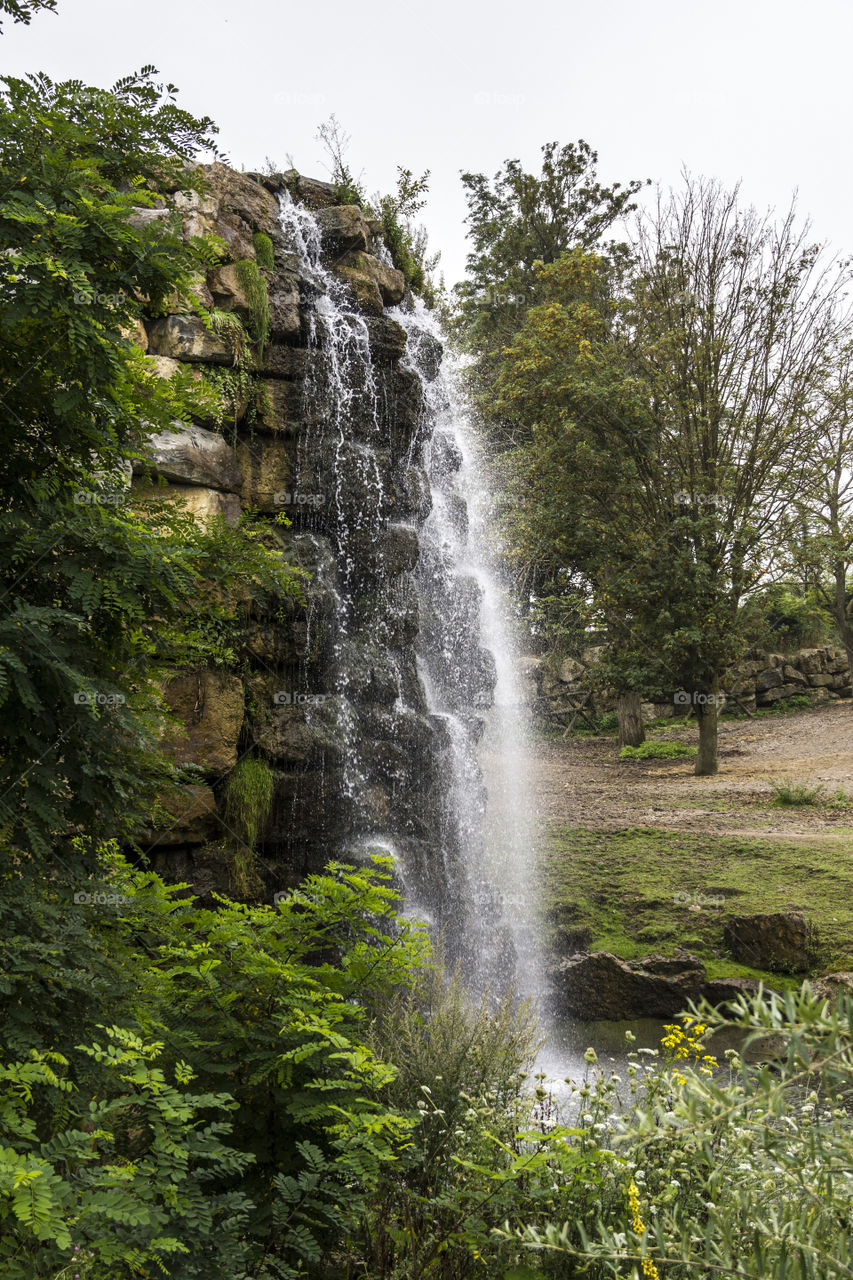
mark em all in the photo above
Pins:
pixel 820 534
pixel 515 221
pixel 668 412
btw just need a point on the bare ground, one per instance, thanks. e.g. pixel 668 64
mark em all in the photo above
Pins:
pixel 583 783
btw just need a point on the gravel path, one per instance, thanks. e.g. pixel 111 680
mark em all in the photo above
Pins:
pixel 582 782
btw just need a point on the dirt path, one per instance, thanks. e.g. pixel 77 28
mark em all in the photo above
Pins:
pixel 582 782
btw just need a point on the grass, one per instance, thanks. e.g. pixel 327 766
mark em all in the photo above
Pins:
pixel 629 888
pixel 795 793
pixel 248 799
pixel 654 750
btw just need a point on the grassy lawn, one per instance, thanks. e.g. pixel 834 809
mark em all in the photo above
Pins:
pixel 629 888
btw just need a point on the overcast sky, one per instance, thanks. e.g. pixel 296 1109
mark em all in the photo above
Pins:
pixel 753 89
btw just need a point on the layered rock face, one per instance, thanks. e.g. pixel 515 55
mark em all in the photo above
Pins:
pixel 328 429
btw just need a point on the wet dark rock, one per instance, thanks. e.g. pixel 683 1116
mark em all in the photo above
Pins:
pixel 600 986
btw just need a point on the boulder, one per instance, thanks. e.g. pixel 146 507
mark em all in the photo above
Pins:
pixel 285 313
pixel 778 941
pixel 188 338
pixel 282 361
pixel 188 816
pixel 228 291
pixel 570 671
pixel 343 228
pixel 307 191
pixel 833 985
pixel 821 681
pixel 390 283
pixel 136 333
pixel 203 215
pixel 770 679
pixel 364 288
pixel 209 706
pixel 598 985
pixel 202 503
pixel 782 691
pixel 241 194
pixel 266 467
pixel 191 455
pixel 141 218
pixel 811 661
pixel 387 339
pixel 278 405
pixel 792 675
pixel 722 991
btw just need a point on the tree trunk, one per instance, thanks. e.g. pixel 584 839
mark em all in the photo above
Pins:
pixel 706 714
pixel 629 711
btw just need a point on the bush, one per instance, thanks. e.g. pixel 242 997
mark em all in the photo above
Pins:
pixel 795 793
pixel 651 750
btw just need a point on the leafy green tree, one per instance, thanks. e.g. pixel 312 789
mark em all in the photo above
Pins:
pixel 516 221
pixel 667 418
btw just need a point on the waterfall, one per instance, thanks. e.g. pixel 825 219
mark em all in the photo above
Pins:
pixel 424 718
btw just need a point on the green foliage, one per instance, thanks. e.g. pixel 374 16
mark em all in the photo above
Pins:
pixel 82 576
pixel 267 1008
pixel 790 793
pixel 125 1178
pixel 263 251
pixel 746 1171
pixel 651 750
pixel 255 288
pixel 23 10
pixel 235 391
pixel 516 222
pixel 781 618
pixel 230 327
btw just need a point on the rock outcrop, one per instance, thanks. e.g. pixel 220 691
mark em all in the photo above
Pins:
pixel 325 426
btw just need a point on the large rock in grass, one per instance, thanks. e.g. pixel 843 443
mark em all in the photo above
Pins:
pixel 209 707
pixel 776 940
pixel 600 985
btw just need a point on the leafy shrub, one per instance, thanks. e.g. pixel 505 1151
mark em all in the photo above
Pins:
pixel 651 750
pixel 255 288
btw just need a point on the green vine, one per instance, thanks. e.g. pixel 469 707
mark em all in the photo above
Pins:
pixel 235 390
pixel 231 327
pixel 263 250
pixel 247 802
pixel 255 288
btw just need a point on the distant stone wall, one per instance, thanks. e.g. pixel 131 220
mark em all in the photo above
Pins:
pixel 555 686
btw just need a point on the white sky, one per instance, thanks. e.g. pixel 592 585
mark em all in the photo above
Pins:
pixel 753 89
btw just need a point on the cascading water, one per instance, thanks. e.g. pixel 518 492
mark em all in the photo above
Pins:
pixel 424 717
